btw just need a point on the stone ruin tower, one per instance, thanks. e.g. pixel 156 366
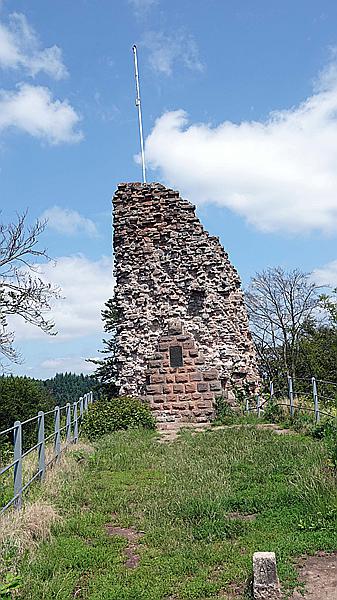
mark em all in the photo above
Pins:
pixel 182 336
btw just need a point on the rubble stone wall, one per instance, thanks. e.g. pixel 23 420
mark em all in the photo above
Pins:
pixel 175 286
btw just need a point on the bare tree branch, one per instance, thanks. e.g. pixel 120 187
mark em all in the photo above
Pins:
pixel 22 291
pixel 280 303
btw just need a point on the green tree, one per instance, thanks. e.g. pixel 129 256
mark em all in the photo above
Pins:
pixel 68 387
pixel 329 303
pixel 318 353
pixel 106 368
pixel 21 399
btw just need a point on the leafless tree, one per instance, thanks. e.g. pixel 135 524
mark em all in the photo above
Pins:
pixel 280 304
pixel 22 291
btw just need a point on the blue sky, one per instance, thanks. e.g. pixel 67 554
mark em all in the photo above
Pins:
pixel 240 105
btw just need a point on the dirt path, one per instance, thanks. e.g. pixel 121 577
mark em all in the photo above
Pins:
pixel 168 435
pixel 319 575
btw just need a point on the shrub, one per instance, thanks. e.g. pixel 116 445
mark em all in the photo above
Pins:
pixel 224 412
pixel 273 413
pixel 327 431
pixel 108 415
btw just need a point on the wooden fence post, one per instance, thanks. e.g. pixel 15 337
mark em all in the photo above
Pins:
pixel 315 396
pixel 41 442
pixel 57 437
pixel 291 395
pixel 18 464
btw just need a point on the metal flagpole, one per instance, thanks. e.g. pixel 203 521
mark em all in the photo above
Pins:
pixel 138 104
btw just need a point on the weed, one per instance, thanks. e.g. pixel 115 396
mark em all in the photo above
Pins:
pixel 10 583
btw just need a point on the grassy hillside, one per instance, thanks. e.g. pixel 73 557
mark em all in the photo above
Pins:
pixel 191 499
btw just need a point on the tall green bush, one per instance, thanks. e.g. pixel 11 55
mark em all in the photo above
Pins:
pixel 108 415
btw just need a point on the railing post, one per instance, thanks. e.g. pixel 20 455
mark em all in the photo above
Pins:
pixel 81 408
pixel 315 396
pixel 247 405
pixel 271 389
pixel 258 405
pixel 75 423
pixel 68 423
pixel 57 437
pixel 291 395
pixel 91 399
pixel 18 464
pixel 86 402
pixel 41 442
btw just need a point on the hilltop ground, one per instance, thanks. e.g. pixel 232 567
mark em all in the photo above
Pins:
pixel 181 520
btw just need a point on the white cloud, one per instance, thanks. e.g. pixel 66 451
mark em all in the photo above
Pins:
pixel 280 174
pixel 326 275
pixel 68 221
pixel 20 48
pixel 165 51
pixel 141 7
pixel 85 286
pixel 73 364
pixel 33 110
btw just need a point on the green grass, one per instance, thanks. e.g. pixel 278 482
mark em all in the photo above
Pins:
pixel 180 495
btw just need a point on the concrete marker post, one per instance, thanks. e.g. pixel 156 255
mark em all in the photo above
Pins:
pixel 266 585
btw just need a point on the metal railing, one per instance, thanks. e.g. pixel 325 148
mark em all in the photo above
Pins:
pixel 66 421
pixel 298 393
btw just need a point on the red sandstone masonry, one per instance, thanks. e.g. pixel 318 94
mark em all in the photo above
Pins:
pixel 192 399
pixel 168 267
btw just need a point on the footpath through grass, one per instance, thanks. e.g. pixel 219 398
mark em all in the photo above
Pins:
pixel 182 496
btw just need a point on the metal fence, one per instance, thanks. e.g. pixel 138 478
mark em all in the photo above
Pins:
pixel 65 430
pixel 313 395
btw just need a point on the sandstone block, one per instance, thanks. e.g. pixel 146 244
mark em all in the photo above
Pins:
pixel 215 386
pixel 178 388
pixel 155 363
pixel 188 345
pixel 203 387
pixel 154 389
pixel 157 378
pixel 181 377
pixel 190 388
pixel 158 399
pixel 210 375
pixel 188 361
pixel 208 396
pixel 199 360
pixel 204 404
pixel 195 376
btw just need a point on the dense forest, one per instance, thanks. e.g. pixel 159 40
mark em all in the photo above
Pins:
pixel 68 387
pixel 22 397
